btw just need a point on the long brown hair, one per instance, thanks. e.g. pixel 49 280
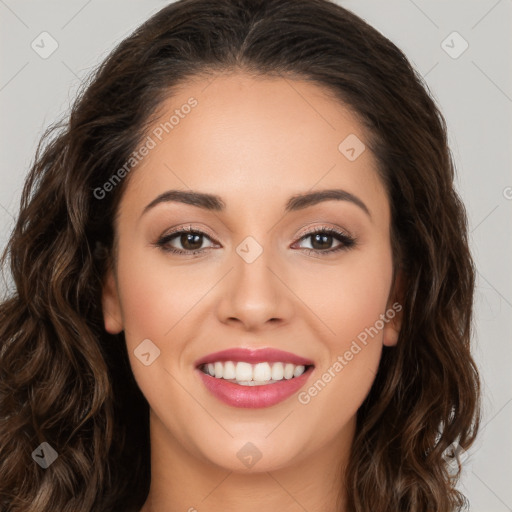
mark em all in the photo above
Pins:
pixel 67 382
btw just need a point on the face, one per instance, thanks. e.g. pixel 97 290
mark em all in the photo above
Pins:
pixel 260 270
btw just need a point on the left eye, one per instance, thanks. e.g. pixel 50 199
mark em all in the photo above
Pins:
pixel 320 240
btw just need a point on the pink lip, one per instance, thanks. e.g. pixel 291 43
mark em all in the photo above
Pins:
pixel 253 397
pixel 252 356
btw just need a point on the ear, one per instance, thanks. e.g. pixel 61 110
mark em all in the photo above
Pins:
pixel 112 316
pixel 394 311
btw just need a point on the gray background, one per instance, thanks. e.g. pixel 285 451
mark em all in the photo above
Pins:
pixel 473 90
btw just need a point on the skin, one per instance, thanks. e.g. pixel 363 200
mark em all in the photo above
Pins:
pixel 255 142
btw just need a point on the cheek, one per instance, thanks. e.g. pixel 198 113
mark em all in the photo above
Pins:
pixel 157 304
pixel 155 296
pixel 349 296
pixel 350 303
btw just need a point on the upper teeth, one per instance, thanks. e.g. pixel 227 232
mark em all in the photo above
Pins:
pixel 260 372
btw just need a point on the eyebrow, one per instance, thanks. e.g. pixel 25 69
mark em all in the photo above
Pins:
pixel 214 202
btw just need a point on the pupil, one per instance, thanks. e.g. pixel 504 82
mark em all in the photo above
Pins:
pixel 324 238
pixel 187 241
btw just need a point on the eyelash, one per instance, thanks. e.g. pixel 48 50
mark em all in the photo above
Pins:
pixel 346 241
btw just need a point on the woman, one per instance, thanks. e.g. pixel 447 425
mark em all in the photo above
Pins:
pixel 242 278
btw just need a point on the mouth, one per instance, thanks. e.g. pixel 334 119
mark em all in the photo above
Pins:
pixel 244 373
pixel 248 378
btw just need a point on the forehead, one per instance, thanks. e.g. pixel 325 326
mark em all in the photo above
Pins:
pixel 247 138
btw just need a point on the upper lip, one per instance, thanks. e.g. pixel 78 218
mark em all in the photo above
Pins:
pixel 254 356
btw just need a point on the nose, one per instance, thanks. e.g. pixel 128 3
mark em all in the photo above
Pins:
pixel 255 295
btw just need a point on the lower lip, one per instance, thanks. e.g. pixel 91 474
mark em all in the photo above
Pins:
pixel 253 397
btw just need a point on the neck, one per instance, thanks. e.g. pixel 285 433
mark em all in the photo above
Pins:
pixel 184 482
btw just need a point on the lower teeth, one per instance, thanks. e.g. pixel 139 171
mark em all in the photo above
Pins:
pixel 252 382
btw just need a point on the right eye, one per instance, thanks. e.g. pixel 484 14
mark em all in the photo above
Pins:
pixel 190 239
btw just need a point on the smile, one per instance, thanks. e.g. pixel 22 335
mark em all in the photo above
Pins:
pixel 247 374
pixel 253 378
